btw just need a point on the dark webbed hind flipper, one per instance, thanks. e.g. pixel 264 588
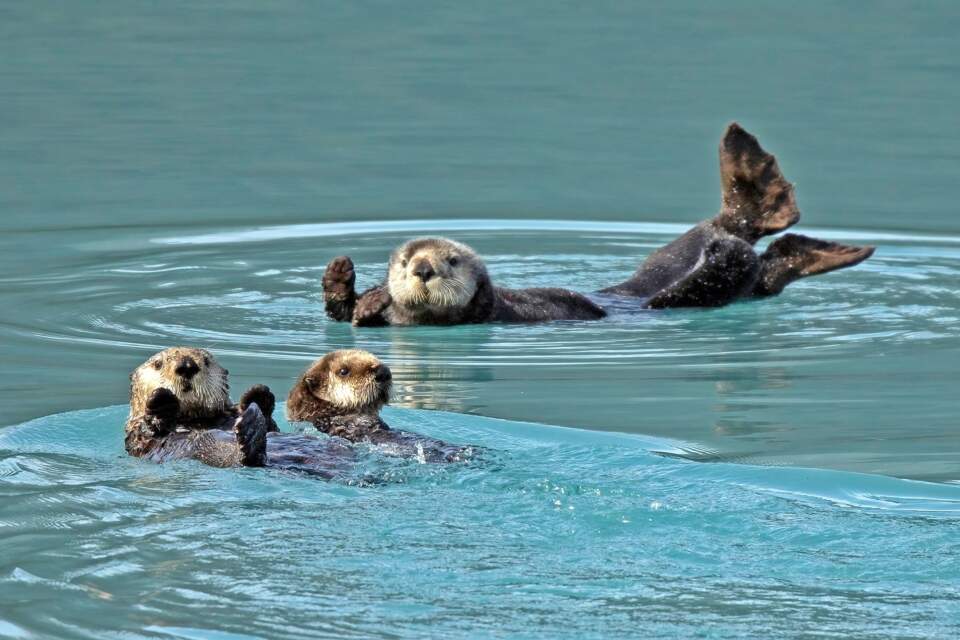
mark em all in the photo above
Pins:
pixel 757 199
pixel 251 432
pixel 713 263
pixel 371 307
pixel 261 395
pixel 727 269
pixel 339 295
pixel 795 256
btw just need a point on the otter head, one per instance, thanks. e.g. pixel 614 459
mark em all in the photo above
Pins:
pixel 340 383
pixel 435 274
pixel 193 375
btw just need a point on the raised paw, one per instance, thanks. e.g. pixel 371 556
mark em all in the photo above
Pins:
pixel 338 280
pixel 251 431
pixel 163 404
pixel 370 307
pixel 262 396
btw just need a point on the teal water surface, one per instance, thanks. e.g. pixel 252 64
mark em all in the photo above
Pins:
pixel 180 173
pixel 550 533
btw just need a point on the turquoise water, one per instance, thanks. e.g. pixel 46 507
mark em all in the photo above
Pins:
pixel 553 533
pixel 174 173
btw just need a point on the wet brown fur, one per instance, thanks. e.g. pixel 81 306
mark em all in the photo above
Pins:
pixel 341 394
pixel 338 384
pixel 180 408
pixel 393 304
pixel 713 264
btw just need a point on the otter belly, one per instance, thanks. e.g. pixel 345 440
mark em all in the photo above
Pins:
pixel 705 267
pixel 323 457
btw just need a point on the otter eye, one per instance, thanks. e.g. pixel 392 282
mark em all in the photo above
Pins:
pixel 453 261
pixel 403 263
pixel 343 372
pixel 157 364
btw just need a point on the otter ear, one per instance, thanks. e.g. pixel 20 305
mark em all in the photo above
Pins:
pixel 310 383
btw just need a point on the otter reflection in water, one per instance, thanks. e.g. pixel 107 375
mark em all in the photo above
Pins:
pixel 180 409
pixel 440 281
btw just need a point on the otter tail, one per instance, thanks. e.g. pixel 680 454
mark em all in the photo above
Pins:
pixel 757 199
pixel 794 256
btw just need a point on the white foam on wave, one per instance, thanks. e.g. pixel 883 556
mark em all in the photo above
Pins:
pixel 333 229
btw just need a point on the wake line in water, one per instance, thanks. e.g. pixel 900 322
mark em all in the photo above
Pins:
pixel 334 229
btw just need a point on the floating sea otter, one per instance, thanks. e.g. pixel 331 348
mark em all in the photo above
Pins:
pixel 180 409
pixel 342 393
pixel 440 281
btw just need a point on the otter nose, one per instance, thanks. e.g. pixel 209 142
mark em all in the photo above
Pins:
pixel 187 367
pixel 424 271
pixel 382 374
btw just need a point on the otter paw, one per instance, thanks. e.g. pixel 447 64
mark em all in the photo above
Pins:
pixel 163 404
pixel 370 308
pixel 251 432
pixel 260 395
pixel 338 280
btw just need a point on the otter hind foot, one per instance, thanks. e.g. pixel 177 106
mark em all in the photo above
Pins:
pixel 795 256
pixel 251 431
pixel 757 199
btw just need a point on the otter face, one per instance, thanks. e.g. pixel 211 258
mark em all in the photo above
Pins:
pixel 193 375
pixel 434 272
pixel 351 380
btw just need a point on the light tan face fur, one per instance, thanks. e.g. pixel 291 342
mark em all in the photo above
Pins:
pixel 347 379
pixel 451 268
pixel 205 392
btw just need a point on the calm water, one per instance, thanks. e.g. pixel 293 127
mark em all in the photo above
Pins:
pixel 178 174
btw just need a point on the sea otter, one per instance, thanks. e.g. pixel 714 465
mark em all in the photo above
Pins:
pixel 440 281
pixel 180 408
pixel 341 394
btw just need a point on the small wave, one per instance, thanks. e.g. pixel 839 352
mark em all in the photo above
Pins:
pixel 336 229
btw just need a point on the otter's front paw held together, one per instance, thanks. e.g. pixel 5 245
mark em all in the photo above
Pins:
pixel 370 308
pixel 163 404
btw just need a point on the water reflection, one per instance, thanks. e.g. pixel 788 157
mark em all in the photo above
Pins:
pixel 810 376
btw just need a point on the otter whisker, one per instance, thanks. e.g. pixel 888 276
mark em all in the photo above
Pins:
pixel 451 291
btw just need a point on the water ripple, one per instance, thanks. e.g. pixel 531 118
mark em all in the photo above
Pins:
pixel 566 529
pixel 252 295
